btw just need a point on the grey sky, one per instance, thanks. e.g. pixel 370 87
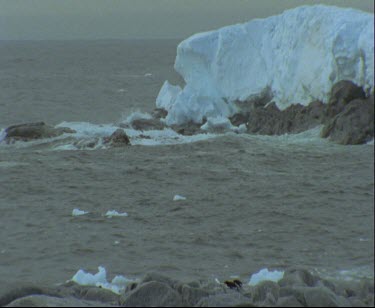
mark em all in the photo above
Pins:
pixel 121 19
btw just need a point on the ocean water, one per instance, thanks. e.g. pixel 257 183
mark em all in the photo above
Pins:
pixel 251 201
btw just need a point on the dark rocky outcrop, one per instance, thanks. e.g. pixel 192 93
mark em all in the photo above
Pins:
pixel 148 124
pixel 117 139
pixel 33 131
pixel 270 120
pixel 354 124
pixel 348 117
pixel 159 113
pixel 342 93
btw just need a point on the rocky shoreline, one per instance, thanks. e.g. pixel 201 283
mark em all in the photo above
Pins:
pixel 297 288
pixel 347 118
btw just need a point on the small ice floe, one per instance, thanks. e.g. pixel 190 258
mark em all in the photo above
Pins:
pixel 178 198
pixel 78 212
pixel 99 279
pixel 264 275
pixel 113 213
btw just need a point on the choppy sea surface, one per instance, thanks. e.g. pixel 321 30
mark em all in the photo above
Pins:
pixel 251 201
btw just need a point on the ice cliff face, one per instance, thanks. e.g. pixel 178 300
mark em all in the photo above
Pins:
pixel 294 57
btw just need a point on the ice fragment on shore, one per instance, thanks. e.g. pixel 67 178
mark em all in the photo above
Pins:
pixel 265 274
pixel 110 214
pixel 178 198
pixel 87 279
pixel 78 212
pixel 117 285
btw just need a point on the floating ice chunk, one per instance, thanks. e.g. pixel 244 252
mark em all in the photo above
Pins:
pixel 178 198
pixel 264 275
pixel 110 214
pixel 87 279
pixel 78 212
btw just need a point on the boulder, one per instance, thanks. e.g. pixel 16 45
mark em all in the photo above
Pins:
pixel 117 139
pixel 33 131
pixel 50 301
pixel 148 124
pixel 152 294
pixel 288 301
pixel 342 93
pixel 354 125
pixel 12 293
pixel 159 113
pixel 265 290
pixel 323 297
pixel 191 295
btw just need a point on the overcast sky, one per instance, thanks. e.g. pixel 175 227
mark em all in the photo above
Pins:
pixel 122 19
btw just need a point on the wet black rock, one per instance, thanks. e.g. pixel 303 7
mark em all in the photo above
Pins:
pixel 148 124
pixel 342 93
pixel 354 124
pixel 348 117
pixel 159 113
pixel 33 131
pixel 117 139
pixel 188 129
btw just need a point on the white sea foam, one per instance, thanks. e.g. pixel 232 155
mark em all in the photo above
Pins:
pixel 265 275
pixel 294 57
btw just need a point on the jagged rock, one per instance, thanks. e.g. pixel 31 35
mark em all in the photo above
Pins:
pixel 148 124
pixel 188 129
pixel 225 300
pixel 342 93
pixel 152 294
pixel 117 139
pixel 354 125
pixel 49 301
pixel 32 131
pixel 159 113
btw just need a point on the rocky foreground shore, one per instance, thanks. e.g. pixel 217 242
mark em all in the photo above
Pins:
pixel 298 288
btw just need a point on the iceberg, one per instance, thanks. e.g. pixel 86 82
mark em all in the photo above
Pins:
pixel 294 57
